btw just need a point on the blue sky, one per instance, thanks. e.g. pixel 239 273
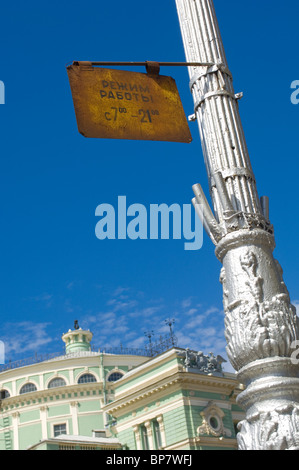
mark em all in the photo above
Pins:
pixel 53 268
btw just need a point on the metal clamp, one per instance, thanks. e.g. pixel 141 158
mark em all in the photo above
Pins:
pixel 199 102
pixel 213 69
pixel 152 68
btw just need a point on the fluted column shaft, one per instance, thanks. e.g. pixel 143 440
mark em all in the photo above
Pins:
pixel 216 108
pixel 260 324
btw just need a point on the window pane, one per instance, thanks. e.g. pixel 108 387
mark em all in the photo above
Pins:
pixel 59 429
pixel 214 423
pixel 157 434
pixel 114 376
pixel 144 438
pixel 87 378
pixel 58 382
pixel 4 394
pixel 28 388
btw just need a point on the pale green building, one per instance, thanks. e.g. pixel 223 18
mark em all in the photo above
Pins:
pixel 85 400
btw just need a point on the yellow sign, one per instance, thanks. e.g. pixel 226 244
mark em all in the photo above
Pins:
pixel 117 104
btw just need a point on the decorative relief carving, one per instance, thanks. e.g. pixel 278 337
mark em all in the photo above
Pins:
pixel 74 404
pixel 256 328
pixel 273 430
pixel 205 364
pixel 254 282
pixel 212 422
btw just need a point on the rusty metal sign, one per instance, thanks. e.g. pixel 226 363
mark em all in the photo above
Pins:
pixel 117 104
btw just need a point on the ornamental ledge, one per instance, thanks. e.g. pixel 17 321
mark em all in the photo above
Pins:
pixel 33 398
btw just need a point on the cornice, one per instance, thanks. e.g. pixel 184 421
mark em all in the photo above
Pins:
pixel 177 381
pixel 219 442
pixel 70 362
pixel 205 441
pixel 211 381
pixel 59 363
pixel 151 364
pixel 41 397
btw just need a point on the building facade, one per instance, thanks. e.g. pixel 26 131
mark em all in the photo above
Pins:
pixel 170 403
pixel 85 400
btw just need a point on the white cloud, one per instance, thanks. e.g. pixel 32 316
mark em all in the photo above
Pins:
pixel 120 290
pixel 125 318
pixel 45 298
pixel 137 343
pixel 191 311
pixel 186 303
pixel 25 338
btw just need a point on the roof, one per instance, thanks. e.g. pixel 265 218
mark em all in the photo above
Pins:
pixel 70 439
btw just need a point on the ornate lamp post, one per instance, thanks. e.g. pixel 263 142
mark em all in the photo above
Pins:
pixel 261 324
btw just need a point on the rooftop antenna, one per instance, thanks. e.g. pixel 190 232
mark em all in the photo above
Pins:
pixel 170 323
pixel 149 335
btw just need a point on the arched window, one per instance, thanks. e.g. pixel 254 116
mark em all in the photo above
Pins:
pixel 27 388
pixel 157 434
pixel 115 376
pixel 144 437
pixel 4 394
pixel 57 382
pixel 87 378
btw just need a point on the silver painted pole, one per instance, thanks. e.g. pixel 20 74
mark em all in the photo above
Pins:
pixel 261 326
